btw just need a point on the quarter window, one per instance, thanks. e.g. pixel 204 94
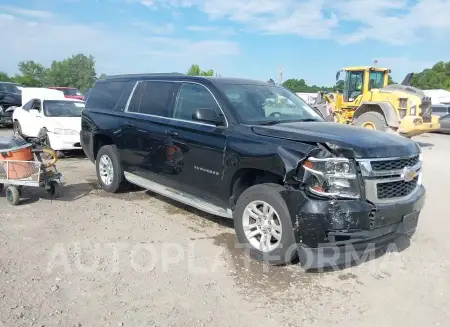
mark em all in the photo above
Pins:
pixel 109 95
pixel 192 97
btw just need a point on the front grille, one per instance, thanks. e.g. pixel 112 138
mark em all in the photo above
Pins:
pixel 396 189
pixel 394 164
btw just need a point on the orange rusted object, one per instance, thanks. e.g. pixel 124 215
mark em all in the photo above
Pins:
pixel 17 159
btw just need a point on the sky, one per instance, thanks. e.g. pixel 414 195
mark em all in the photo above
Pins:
pixel 310 39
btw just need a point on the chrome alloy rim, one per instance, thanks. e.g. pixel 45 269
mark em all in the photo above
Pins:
pixel 106 169
pixel 262 226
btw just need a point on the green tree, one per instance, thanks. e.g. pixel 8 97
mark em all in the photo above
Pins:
pixel 299 85
pixel 102 76
pixel 4 77
pixel 437 77
pixel 195 70
pixel 32 74
pixel 76 71
pixel 391 81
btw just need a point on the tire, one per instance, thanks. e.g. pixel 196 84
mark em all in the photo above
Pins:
pixel 12 195
pixel 373 118
pixel 1 187
pixel 43 136
pixel 108 155
pixel 284 251
pixel 17 129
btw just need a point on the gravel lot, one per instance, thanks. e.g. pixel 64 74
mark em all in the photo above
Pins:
pixel 136 259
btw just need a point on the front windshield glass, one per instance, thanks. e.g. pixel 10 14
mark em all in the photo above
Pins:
pixel 59 108
pixel 259 104
pixel 71 92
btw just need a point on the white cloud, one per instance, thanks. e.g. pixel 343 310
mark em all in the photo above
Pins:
pixel 395 22
pixel 26 12
pixel 115 50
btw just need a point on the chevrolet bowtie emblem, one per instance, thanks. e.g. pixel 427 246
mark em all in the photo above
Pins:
pixel 408 174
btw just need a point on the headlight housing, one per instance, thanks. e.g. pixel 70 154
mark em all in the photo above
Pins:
pixel 332 177
pixel 65 131
pixel 412 111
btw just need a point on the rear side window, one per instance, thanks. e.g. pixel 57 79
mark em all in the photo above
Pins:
pixel 439 109
pixel 154 98
pixel 110 95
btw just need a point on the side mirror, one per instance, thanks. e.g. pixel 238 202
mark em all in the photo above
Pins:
pixel 34 112
pixel 207 116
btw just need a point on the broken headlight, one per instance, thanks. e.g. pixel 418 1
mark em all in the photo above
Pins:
pixel 332 177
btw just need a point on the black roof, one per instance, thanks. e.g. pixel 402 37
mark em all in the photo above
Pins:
pixel 10 83
pixel 184 77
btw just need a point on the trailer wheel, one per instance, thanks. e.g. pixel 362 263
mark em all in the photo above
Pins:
pixel 1 187
pixel 372 120
pixel 12 195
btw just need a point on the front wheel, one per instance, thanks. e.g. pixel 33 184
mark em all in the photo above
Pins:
pixel 263 224
pixel 372 120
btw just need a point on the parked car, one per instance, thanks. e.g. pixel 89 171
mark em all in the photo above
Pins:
pixel 10 98
pixel 49 115
pixel 443 111
pixel 252 151
pixel 69 92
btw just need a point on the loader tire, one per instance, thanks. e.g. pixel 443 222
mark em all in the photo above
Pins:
pixel 372 120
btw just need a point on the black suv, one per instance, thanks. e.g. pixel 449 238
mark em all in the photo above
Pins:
pixel 10 98
pixel 294 184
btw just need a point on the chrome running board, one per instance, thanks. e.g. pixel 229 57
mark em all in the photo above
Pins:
pixel 179 196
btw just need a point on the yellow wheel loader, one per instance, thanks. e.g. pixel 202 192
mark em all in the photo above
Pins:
pixel 368 101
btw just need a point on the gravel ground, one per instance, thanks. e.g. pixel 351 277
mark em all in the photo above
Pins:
pixel 136 259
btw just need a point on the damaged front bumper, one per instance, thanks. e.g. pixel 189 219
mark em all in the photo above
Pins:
pixel 338 232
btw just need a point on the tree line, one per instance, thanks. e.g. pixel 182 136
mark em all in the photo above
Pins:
pixel 79 71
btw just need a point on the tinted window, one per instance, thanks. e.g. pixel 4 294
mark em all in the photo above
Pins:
pixel 192 97
pixel 109 95
pixel 154 98
pixel 440 109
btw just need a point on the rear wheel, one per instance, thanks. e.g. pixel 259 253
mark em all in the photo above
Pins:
pixel 109 169
pixel 263 224
pixel 372 120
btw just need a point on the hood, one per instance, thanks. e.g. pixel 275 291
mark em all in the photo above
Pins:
pixel 14 99
pixel 409 90
pixel 73 123
pixel 361 142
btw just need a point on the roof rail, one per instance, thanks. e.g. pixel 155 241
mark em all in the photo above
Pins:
pixel 144 75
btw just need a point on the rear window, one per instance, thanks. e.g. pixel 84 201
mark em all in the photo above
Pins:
pixel 154 98
pixel 71 92
pixel 440 109
pixel 109 95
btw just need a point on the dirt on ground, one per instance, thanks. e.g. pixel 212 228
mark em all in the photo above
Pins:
pixel 88 258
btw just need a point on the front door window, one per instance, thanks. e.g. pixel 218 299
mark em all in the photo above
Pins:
pixel 354 86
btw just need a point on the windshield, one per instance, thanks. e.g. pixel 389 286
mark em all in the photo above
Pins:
pixel 71 92
pixel 259 104
pixel 58 108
